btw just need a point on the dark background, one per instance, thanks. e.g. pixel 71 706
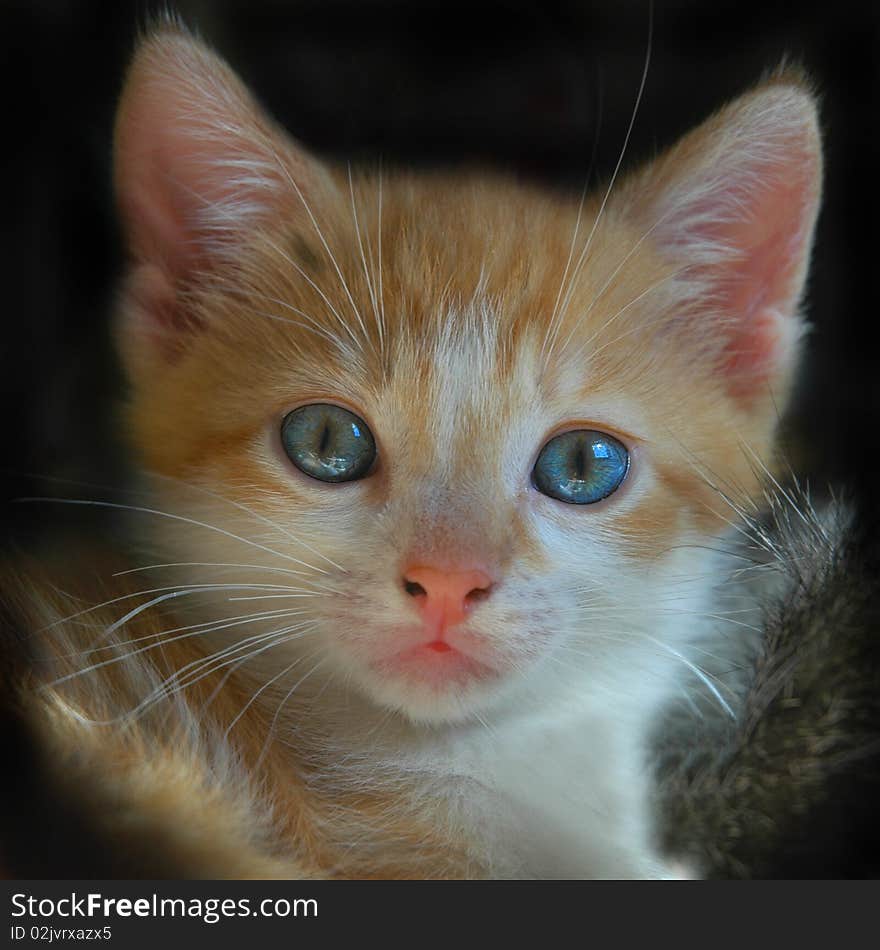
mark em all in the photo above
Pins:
pixel 544 88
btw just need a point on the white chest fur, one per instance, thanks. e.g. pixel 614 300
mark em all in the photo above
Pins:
pixel 564 793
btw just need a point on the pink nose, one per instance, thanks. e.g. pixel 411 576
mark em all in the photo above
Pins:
pixel 445 597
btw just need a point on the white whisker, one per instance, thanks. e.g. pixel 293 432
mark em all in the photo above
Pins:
pixel 583 255
pixel 270 732
pixel 285 171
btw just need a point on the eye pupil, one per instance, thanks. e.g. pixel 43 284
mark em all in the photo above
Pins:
pixel 328 443
pixel 325 438
pixel 581 467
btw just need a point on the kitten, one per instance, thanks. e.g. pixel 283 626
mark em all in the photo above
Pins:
pixel 428 467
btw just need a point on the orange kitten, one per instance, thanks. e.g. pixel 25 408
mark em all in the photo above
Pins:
pixel 431 464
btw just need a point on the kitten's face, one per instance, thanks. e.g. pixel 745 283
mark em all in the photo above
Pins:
pixel 465 323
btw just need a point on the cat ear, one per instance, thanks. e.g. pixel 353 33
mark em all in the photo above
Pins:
pixel 197 166
pixel 734 206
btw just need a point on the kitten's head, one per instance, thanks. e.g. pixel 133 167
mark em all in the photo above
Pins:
pixel 462 431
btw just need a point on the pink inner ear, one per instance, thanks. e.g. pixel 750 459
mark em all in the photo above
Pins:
pixel 761 289
pixel 752 355
pixel 190 184
pixel 155 316
pixel 155 213
pixel 740 215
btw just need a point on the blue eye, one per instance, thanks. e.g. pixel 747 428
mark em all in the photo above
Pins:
pixel 328 443
pixel 581 467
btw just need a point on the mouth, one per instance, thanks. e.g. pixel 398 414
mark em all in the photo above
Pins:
pixel 438 665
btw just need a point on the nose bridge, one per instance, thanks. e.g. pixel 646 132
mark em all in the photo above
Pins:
pixel 452 527
pixel 451 494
